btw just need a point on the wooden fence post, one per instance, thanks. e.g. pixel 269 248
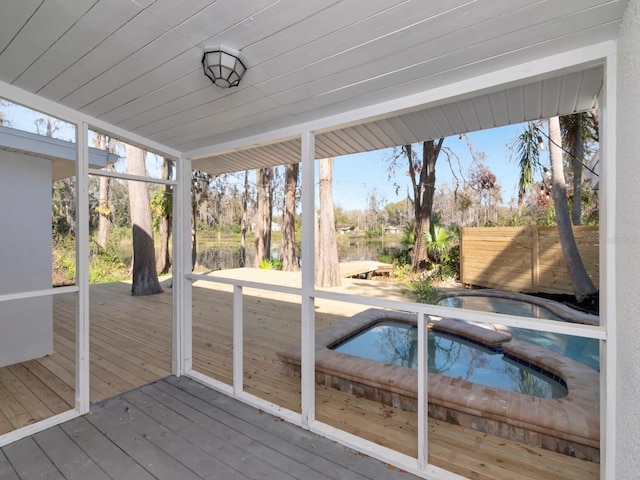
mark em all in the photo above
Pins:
pixel 535 255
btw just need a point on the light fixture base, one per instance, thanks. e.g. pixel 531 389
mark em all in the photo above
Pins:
pixel 224 66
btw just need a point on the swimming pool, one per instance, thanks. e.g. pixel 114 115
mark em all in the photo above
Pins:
pixel 396 343
pixel 583 350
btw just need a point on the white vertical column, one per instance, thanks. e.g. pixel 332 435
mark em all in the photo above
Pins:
pixel 607 183
pixel 238 341
pixel 423 405
pixel 82 268
pixel 182 334
pixel 308 361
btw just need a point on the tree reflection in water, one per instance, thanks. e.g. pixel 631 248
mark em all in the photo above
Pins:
pixel 396 343
pixel 400 344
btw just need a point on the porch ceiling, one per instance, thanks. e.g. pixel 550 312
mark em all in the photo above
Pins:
pixel 136 65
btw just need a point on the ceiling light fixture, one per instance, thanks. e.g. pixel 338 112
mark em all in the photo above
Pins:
pixel 224 66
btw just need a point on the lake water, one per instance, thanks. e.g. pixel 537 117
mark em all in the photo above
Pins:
pixel 224 257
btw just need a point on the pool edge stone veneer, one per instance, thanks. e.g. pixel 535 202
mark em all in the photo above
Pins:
pixel 568 425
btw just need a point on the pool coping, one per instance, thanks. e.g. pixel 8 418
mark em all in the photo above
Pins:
pixel 570 425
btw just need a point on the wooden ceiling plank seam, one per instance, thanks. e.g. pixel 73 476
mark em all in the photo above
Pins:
pixel 185 60
pixel 550 94
pixel 356 141
pixel 405 133
pixel 417 127
pixel 48 23
pixel 350 144
pixel 149 78
pixel 498 102
pixel 139 31
pixel 138 115
pixel 482 104
pixel 19 13
pixel 350 32
pixel 533 100
pixel 221 18
pixel 85 35
pixel 380 134
pixel 499 44
pixel 535 66
pixel 348 97
pixel 592 82
pixel 282 154
pixel 325 149
pixel 337 143
pixel 395 48
pixel 515 104
pixel 389 132
pixel 569 90
pixel 208 110
pixel 256 32
pixel 468 114
pixel 188 134
pixel 453 117
pixel 252 69
pixel 261 154
pixel 286 152
pixel 146 59
pixel 433 119
pixel 439 46
pixel 373 142
pixel 441 119
pixel 203 119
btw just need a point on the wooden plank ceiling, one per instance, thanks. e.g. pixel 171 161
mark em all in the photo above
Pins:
pixel 136 65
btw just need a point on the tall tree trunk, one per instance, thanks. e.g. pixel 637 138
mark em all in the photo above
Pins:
pixel 423 179
pixel 194 235
pixel 264 214
pixel 327 272
pixel 578 152
pixel 104 213
pixel 582 284
pixel 145 276
pixel 164 222
pixel 289 259
pixel 244 220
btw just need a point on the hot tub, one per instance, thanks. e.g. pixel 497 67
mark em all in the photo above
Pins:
pixel 568 425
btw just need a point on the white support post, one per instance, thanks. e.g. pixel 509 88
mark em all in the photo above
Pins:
pixel 82 268
pixel 238 341
pixel 307 363
pixel 181 343
pixel 423 401
pixel 607 282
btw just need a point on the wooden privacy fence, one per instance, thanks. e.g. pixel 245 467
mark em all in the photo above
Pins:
pixel 523 259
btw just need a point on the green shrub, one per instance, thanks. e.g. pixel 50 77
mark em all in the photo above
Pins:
pixel 270 264
pixel 421 291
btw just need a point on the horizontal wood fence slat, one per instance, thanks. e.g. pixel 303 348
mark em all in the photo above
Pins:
pixel 524 259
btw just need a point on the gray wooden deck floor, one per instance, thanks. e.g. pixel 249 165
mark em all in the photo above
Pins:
pixel 177 429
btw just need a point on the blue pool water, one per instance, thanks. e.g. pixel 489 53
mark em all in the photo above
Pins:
pixel 583 350
pixel 396 343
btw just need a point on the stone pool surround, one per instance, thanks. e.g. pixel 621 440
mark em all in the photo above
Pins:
pixel 569 425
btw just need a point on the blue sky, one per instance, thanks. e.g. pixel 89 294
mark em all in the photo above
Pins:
pixel 355 176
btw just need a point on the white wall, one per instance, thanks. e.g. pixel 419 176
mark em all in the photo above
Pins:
pixel 26 326
pixel 628 246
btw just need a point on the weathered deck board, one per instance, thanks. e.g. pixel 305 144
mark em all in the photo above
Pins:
pixel 131 347
pixel 164 431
